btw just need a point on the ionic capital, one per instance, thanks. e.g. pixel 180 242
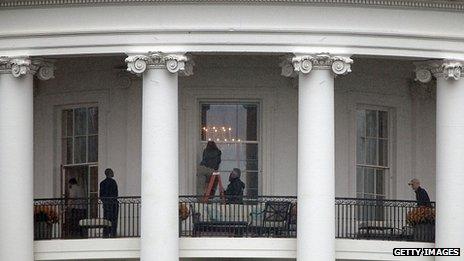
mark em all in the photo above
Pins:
pixel 20 66
pixel 339 65
pixel 45 69
pixel 174 63
pixel 447 69
pixel 17 66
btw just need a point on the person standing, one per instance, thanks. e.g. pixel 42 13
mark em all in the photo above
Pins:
pixel 109 197
pixel 422 197
pixel 77 207
pixel 210 163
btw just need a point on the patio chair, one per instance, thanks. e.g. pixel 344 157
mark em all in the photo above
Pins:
pixel 272 221
pixel 213 225
pixel 292 220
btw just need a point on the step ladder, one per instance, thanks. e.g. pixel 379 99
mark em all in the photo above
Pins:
pixel 209 189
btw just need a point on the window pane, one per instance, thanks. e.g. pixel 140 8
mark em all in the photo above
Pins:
pixel 66 151
pixel 360 141
pixel 371 122
pixel 251 182
pixel 80 149
pixel 80 116
pixel 359 179
pixel 380 182
pixel 369 184
pixel 93 179
pixel 93 120
pixel 251 152
pixel 383 153
pixel 251 122
pixel 204 130
pixel 93 148
pixel 66 123
pixel 228 150
pixel 371 155
pixel 219 121
pixel 226 122
pixel 383 124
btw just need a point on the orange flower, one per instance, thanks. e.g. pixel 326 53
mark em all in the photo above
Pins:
pixel 421 215
pixel 45 214
pixel 183 211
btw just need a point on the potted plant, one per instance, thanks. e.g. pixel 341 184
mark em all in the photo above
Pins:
pixel 44 218
pixel 423 221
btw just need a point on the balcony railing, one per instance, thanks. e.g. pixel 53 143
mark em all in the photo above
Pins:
pixel 384 219
pixel 262 216
pixel 60 218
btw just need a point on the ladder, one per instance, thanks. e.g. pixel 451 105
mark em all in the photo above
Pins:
pixel 209 189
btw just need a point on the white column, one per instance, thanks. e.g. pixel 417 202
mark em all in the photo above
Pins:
pixel 16 160
pixel 450 151
pixel 159 214
pixel 316 181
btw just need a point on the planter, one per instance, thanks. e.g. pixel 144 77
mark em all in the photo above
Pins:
pixel 424 232
pixel 42 230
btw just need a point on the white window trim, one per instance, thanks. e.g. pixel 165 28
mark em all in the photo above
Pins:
pixel 54 104
pixel 389 177
pixel 189 128
pixel 200 143
pixel 59 115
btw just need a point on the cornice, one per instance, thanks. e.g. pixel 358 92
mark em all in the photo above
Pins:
pixel 447 5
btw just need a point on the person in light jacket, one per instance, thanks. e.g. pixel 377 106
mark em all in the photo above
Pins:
pixel 77 208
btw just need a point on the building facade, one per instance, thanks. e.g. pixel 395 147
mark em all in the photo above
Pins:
pixel 328 108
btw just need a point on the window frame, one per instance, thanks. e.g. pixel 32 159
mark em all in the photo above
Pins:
pixel 389 169
pixel 74 136
pixel 59 137
pixel 201 143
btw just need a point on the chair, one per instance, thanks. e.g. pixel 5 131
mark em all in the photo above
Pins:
pixel 214 224
pixel 272 221
pixel 292 220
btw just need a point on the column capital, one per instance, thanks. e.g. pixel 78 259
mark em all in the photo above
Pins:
pixel 17 66
pixel 448 69
pixel 305 63
pixel 20 66
pixel 174 63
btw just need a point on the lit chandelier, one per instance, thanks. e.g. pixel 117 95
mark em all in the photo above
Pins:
pixel 219 134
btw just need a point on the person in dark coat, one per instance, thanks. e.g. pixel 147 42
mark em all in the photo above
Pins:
pixel 421 195
pixel 210 163
pixel 234 191
pixel 109 197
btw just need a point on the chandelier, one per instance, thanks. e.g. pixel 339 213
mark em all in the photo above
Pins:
pixel 219 134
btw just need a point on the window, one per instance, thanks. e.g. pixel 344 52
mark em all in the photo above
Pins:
pixel 234 128
pixel 79 134
pixel 79 151
pixel 372 156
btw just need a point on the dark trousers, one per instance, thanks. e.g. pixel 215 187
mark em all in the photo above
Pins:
pixel 73 228
pixel 110 212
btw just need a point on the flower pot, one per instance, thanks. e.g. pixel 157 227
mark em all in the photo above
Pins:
pixel 42 230
pixel 424 232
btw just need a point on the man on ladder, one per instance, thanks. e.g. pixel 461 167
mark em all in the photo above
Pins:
pixel 207 172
